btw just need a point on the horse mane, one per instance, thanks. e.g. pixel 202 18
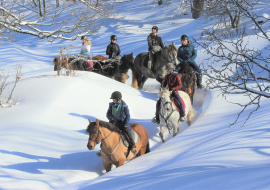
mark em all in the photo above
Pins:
pixel 104 124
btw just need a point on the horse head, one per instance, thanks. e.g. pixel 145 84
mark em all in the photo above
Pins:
pixel 128 60
pixel 93 129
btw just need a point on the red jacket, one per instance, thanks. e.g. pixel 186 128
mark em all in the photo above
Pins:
pixel 173 80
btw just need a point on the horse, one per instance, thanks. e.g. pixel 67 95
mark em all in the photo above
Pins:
pixel 118 72
pixel 113 150
pixel 64 63
pixel 168 114
pixel 188 78
pixel 141 73
pixel 121 71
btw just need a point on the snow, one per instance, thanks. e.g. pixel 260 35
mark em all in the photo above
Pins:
pixel 43 139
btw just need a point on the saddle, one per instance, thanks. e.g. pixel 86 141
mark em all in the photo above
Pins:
pixel 177 103
pixel 125 138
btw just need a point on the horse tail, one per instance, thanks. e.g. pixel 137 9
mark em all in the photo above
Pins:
pixel 192 114
pixel 147 148
pixel 134 80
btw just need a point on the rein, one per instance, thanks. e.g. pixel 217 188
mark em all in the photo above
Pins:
pixel 96 141
pixel 167 118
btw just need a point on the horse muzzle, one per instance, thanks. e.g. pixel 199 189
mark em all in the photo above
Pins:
pixel 90 147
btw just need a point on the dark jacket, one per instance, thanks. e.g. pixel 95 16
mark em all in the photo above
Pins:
pixel 113 48
pixel 154 41
pixel 187 52
pixel 173 80
pixel 124 113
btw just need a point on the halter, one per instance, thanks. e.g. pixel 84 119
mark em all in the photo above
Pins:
pixel 167 118
pixel 96 140
pixel 169 58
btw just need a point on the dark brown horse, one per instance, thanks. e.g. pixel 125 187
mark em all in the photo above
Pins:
pixel 121 71
pixel 113 150
pixel 64 63
pixel 188 78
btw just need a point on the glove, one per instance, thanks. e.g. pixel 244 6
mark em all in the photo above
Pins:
pixel 114 54
pixel 113 122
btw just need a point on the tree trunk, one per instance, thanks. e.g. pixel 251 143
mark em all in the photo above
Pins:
pixel 198 6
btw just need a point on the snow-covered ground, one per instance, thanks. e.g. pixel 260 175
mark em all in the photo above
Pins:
pixel 43 139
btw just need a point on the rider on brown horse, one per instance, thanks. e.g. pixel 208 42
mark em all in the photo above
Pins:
pixel 155 44
pixel 186 55
pixel 118 114
pixel 173 80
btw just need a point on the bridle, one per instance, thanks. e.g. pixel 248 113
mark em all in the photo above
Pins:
pixel 167 118
pixel 96 140
pixel 169 58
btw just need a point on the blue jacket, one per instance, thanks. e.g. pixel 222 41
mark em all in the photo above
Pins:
pixel 124 113
pixel 187 52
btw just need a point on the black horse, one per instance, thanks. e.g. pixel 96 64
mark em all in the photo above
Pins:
pixel 141 73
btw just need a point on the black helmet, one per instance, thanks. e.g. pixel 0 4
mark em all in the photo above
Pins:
pixel 184 37
pixel 83 37
pixel 155 27
pixel 116 95
pixel 113 37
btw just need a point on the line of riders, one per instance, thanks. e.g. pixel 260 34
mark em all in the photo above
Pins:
pixel 186 53
pixel 118 111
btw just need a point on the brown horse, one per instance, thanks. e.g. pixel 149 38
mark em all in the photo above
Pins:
pixel 64 63
pixel 113 150
pixel 188 78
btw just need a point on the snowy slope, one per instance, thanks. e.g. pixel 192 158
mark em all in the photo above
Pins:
pixel 43 139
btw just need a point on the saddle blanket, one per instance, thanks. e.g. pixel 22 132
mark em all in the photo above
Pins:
pixel 134 135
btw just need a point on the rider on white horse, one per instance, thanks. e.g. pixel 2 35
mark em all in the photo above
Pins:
pixel 173 80
pixel 118 115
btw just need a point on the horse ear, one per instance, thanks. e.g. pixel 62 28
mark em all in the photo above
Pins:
pixel 89 120
pixel 132 54
pixel 174 45
pixel 167 87
pixel 97 122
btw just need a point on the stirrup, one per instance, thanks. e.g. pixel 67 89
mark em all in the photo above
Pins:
pixel 154 120
pixel 134 150
pixel 98 154
pixel 182 119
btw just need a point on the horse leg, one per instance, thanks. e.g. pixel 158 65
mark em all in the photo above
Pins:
pixel 107 166
pixel 120 163
pixel 144 78
pixel 162 130
pixel 175 129
pixel 135 80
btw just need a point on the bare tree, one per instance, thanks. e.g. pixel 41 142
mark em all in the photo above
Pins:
pixel 234 66
pixel 53 19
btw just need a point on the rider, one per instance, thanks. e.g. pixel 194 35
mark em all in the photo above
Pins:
pixel 118 115
pixel 155 44
pixel 85 50
pixel 186 55
pixel 113 50
pixel 173 80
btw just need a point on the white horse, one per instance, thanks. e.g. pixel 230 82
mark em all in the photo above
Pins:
pixel 168 114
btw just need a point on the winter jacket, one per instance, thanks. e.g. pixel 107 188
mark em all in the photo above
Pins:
pixel 113 48
pixel 124 113
pixel 154 41
pixel 173 80
pixel 86 48
pixel 187 52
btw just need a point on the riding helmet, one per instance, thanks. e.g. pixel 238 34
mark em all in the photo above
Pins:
pixel 155 27
pixel 113 37
pixel 169 66
pixel 83 37
pixel 184 37
pixel 116 95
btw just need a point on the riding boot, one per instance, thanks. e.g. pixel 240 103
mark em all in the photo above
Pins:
pixel 132 143
pixel 156 119
pixel 199 81
pixel 149 66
